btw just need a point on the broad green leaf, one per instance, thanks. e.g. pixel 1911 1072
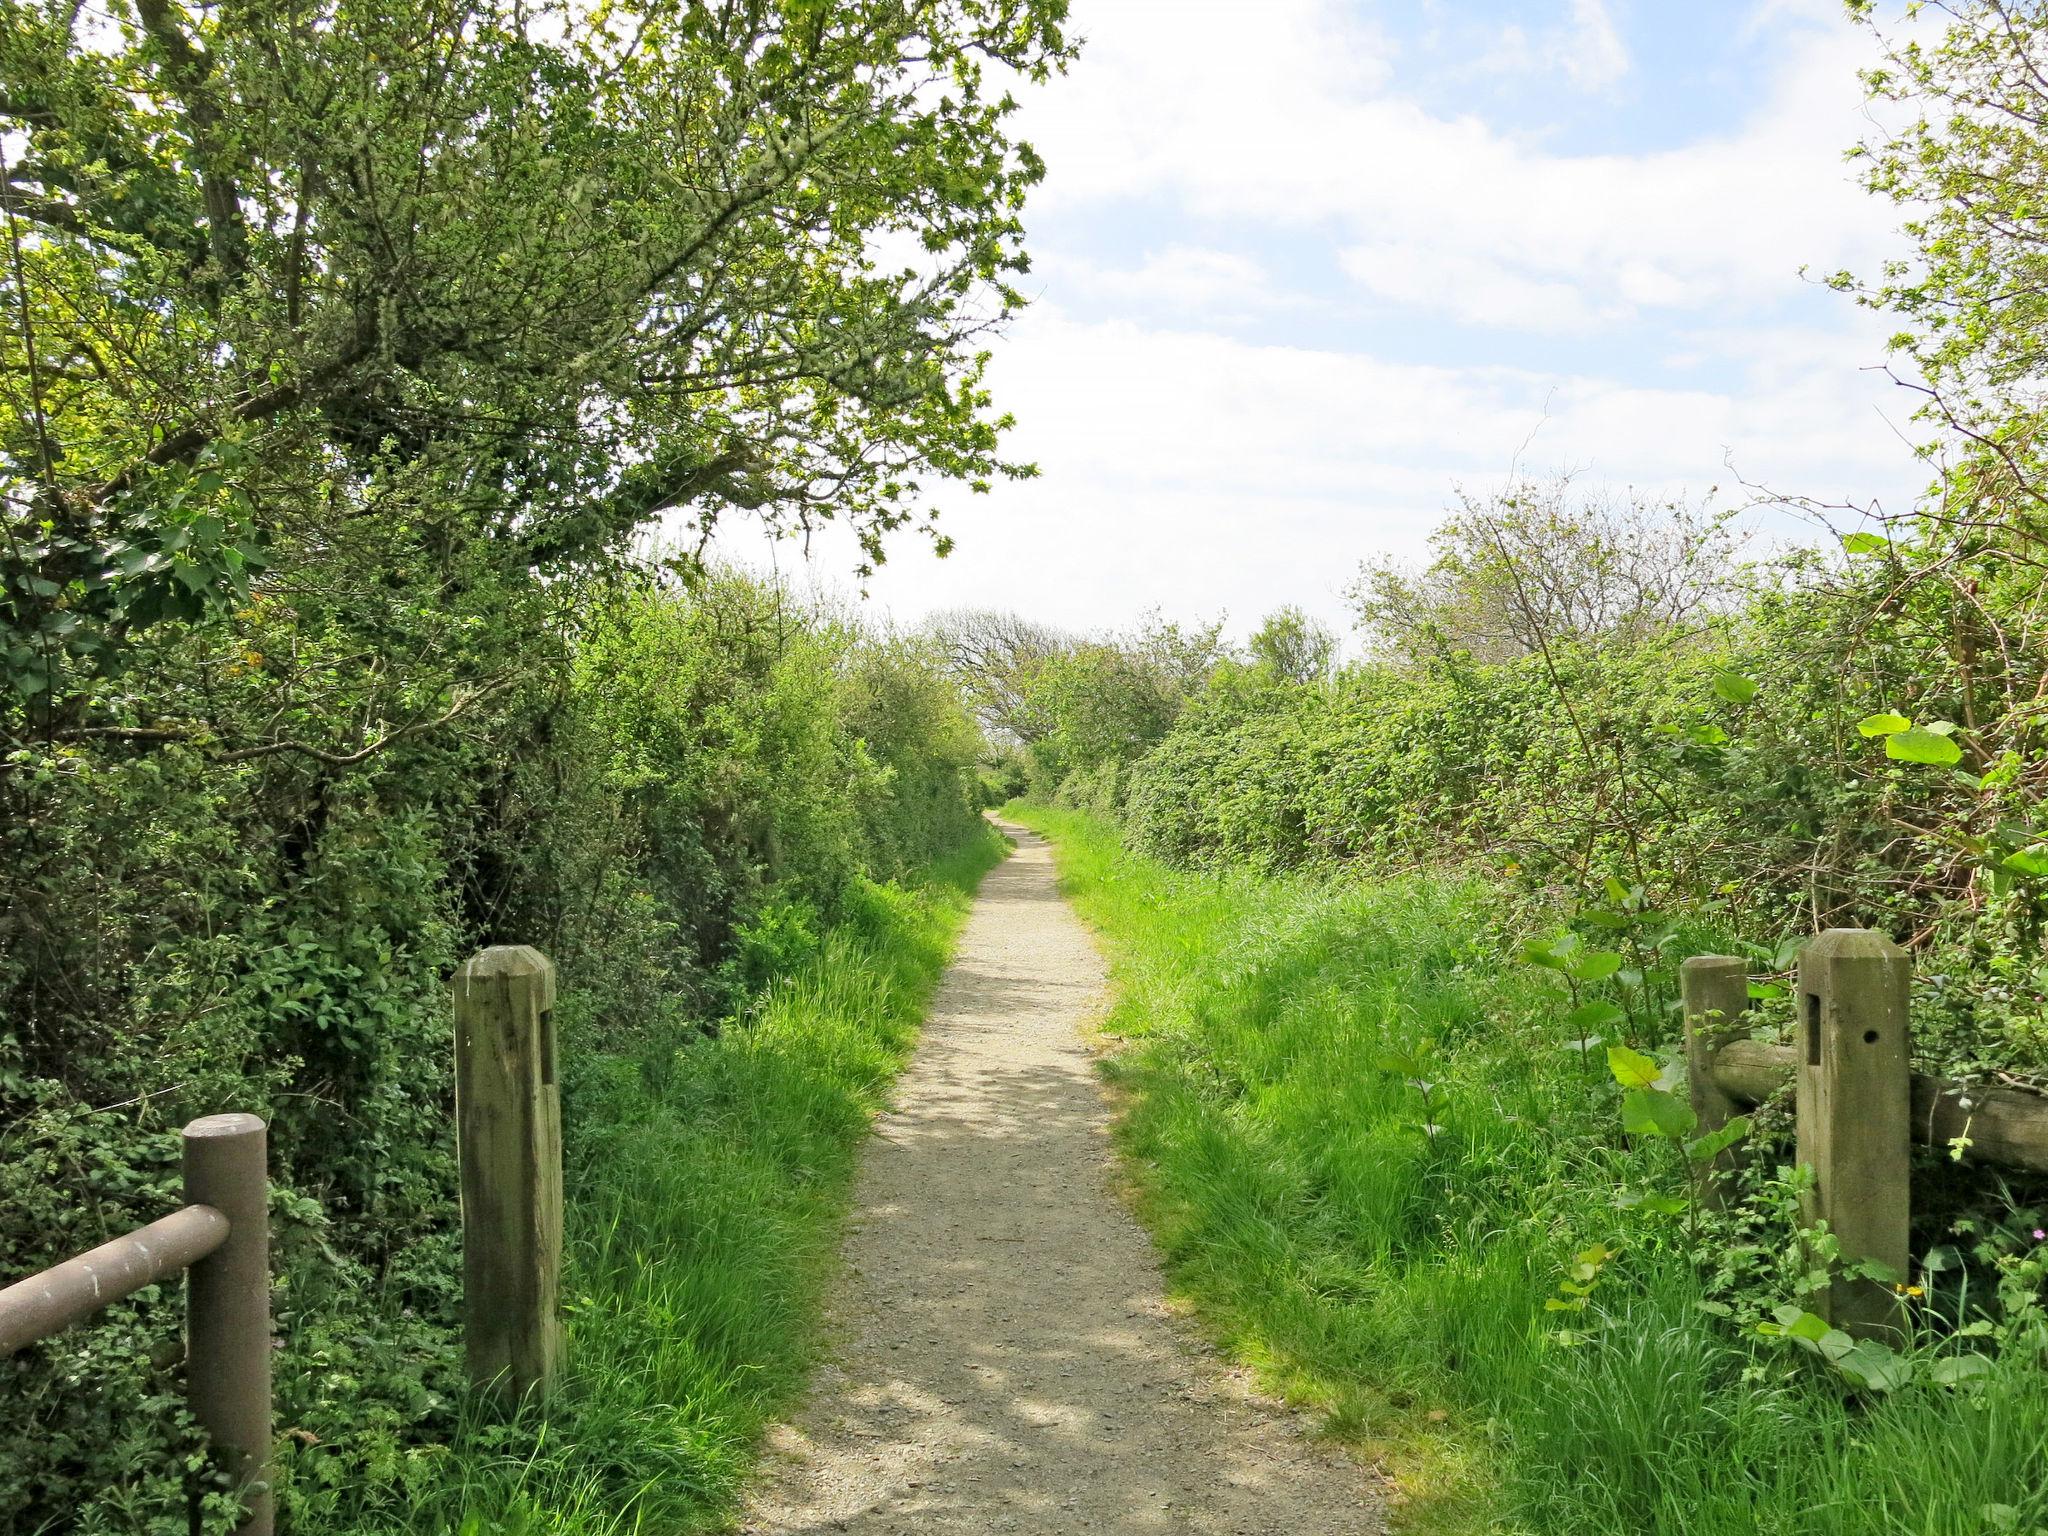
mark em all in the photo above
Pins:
pixel 1653 1112
pixel 1714 1143
pixel 1865 543
pixel 1954 1370
pixel 1632 1069
pixel 1947 1256
pixel 1596 966
pixel 1869 1363
pixel 1798 1323
pixel 1594 1015
pixel 1883 725
pixel 1650 1200
pixel 1734 688
pixel 2028 861
pixel 1920 745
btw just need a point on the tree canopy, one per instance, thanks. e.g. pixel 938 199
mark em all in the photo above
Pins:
pixel 520 277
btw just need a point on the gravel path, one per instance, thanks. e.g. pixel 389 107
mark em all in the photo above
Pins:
pixel 1007 1361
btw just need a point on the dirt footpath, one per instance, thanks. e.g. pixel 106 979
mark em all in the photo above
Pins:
pixel 1006 1361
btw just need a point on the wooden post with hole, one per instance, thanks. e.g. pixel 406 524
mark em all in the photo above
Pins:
pixel 227 1307
pixel 508 1124
pixel 1855 1111
pixel 1715 990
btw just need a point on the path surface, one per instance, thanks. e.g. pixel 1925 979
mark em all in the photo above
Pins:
pixel 1007 1360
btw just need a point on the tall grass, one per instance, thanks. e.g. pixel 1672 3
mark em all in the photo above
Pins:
pixel 1396 1279
pixel 706 1178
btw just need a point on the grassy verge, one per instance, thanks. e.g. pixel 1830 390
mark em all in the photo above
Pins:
pixel 707 1179
pixel 1396 1277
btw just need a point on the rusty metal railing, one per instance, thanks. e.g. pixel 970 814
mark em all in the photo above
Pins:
pixel 222 1236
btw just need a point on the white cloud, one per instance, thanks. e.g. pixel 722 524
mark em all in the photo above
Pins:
pixel 1179 278
pixel 1294 123
pixel 1585 47
pixel 1200 473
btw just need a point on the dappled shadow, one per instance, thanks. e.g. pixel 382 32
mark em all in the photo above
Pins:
pixel 1008 1361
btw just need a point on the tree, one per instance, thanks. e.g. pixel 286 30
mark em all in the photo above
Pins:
pixel 1535 565
pixel 1968 163
pixel 518 276
pixel 994 657
pixel 1294 647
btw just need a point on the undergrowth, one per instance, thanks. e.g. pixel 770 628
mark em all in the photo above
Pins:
pixel 1381 1244
pixel 707 1178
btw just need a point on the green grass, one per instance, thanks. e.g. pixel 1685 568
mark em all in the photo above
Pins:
pixel 707 1181
pixel 1396 1280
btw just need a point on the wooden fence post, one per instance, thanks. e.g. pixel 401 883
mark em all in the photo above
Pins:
pixel 508 1127
pixel 1855 1108
pixel 227 1307
pixel 1715 989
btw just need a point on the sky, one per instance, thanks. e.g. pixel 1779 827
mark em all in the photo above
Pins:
pixel 1302 269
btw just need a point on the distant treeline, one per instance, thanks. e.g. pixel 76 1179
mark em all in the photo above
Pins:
pixel 1588 695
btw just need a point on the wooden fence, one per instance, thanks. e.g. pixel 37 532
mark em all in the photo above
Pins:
pixel 221 1235
pixel 509 1143
pixel 1860 1106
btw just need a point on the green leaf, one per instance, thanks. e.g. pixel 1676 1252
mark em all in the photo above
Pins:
pixel 1632 1069
pixel 1883 725
pixel 1714 1143
pixel 1801 1324
pixel 1954 1370
pixel 1734 688
pixel 1653 1112
pixel 2028 861
pixel 1921 745
pixel 1874 1365
pixel 1594 1015
pixel 1650 1200
pixel 1597 966
pixel 1865 543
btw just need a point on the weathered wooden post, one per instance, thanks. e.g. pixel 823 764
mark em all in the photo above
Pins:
pixel 227 1307
pixel 508 1129
pixel 1855 1108
pixel 1715 990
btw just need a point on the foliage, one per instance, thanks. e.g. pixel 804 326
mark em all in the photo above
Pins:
pixel 1514 1304
pixel 679 791
pixel 708 1177
pixel 1538 566
pixel 1961 152
pixel 511 280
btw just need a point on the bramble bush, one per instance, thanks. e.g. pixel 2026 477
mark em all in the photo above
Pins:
pixel 673 793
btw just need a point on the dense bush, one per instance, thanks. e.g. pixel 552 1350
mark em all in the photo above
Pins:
pixel 672 788
pixel 1755 770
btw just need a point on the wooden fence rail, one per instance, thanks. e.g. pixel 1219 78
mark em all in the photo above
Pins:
pixel 509 1140
pixel 222 1236
pixel 1859 1104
